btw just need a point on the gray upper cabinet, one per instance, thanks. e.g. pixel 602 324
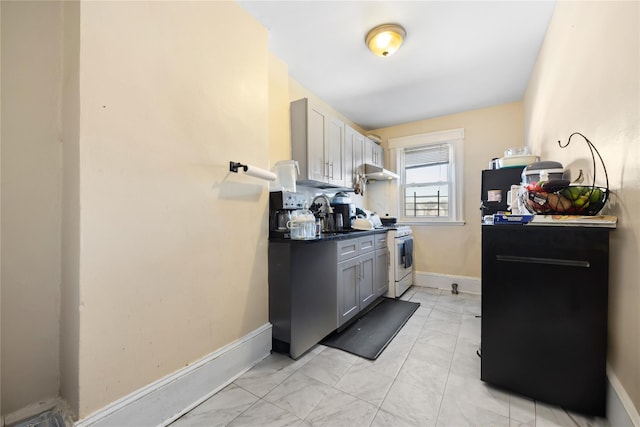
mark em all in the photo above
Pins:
pixel 373 153
pixel 334 152
pixel 317 143
pixel 330 154
pixel 354 156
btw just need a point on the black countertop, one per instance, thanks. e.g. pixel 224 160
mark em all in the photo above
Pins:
pixel 343 235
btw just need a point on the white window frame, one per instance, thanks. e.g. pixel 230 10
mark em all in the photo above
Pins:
pixel 455 139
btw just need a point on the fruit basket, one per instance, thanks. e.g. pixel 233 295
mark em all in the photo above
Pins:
pixel 562 198
pixel 571 200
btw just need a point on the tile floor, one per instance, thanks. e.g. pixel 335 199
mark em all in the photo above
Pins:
pixel 429 375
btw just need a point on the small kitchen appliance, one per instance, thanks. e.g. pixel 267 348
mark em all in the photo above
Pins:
pixel 342 205
pixel 496 183
pixel 281 204
pixel 287 172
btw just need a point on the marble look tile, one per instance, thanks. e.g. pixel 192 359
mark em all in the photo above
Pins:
pixel 450 302
pixel 329 366
pixel 265 414
pixel 298 394
pixel 473 305
pixel 365 383
pixel 426 299
pixel 448 316
pixel 387 419
pixel 437 339
pixel 426 367
pixel 465 359
pixel 456 413
pixel 340 409
pixel 522 412
pixel 443 326
pixel 219 409
pixel 553 416
pixel 474 392
pixel 391 359
pixel 266 375
pixel 412 405
pixel 470 328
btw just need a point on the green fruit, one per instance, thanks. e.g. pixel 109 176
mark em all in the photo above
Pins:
pixel 581 201
pixel 572 193
pixel 596 195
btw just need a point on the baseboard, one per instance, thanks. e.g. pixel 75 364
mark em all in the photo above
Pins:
pixel 443 281
pixel 167 399
pixel 621 411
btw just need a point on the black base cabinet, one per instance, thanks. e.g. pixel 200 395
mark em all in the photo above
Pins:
pixel 544 313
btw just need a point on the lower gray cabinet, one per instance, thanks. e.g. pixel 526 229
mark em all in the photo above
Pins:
pixel 366 281
pixel 356 276
pixel 315 287
pixel 348 289
pixel 381 275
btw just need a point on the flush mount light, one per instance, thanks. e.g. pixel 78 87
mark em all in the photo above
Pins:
pixel 385 39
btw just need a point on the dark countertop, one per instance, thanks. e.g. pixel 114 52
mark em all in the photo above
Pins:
pixel 344 235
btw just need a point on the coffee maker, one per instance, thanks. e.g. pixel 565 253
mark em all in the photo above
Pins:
pixel 281 203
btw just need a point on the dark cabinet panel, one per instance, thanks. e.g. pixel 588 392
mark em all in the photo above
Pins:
pixel 544 313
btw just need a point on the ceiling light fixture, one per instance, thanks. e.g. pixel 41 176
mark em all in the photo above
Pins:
pixel 385 39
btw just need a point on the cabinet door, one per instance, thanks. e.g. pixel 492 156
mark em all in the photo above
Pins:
pixel 352 156
pixel 544 313
pixel 348 300
pixel 358 155
pixel 334 152
pixel 373 153
pixel 381 278
pixel 316 165
pixel 378 156
pixel 366 283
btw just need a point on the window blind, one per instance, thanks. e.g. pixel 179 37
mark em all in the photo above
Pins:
pixel 427 156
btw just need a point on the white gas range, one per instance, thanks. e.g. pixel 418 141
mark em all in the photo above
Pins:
pixel 400 244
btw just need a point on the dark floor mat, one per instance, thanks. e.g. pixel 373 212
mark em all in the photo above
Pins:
pixel 371 334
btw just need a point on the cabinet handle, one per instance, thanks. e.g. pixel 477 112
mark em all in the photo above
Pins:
pixel 331 170
pixel 547 261
pixel 326 173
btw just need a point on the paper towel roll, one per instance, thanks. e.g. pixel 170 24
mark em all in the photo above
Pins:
pixel 256 172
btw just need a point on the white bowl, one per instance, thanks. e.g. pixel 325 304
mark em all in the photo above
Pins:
pixel 362 224
pixel 512 161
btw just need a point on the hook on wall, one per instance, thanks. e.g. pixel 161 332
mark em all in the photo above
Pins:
pixel 252 171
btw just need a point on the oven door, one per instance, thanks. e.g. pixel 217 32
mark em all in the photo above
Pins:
pixel 404 257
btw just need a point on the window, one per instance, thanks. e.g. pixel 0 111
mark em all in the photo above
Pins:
pixel 426 182
pixel 430 169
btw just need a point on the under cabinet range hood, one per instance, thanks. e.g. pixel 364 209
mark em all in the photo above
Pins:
pixel 373 172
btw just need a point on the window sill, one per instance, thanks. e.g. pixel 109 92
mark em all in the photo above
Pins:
pixel 414 223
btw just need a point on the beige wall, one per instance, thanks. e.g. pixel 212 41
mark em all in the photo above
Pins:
pixel 587 79
pixel 174 248
pixel 70 227
pixel 162 252
pixel 455 249
pixel 31 81
pixel 279 131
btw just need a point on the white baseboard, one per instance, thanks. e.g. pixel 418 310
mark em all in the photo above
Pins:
pixel 164 401
pixel 466 284
pixel 620 409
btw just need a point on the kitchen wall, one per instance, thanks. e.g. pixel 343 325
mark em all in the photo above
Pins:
pixel 30 243
pixel 454 249
pixel 163 250
pixel 586 79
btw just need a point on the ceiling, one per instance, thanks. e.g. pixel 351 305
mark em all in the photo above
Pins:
pixel 457 55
